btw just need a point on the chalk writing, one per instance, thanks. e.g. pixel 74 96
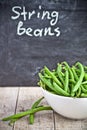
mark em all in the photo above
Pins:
pixel 51 16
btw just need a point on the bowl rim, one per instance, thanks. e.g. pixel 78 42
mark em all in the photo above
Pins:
pixel 66 97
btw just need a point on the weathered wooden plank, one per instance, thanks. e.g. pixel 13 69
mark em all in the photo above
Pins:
pixel 43 120
pixel 62 123
pixel 8 97
pixel 84 124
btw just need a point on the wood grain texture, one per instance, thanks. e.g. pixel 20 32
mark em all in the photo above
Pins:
pixel 8 97
pixel 43 120
pixel 62 123
pixel 46 120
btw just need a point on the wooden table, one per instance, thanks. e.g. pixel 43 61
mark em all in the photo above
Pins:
pixel 15 99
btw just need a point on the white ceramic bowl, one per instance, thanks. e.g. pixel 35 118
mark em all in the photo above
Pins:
pixel 74 108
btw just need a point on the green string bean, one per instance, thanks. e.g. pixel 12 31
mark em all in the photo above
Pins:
pixel 53 76
pixel 66 81
pixel 35 105
pixel 25 113
pixel 78 84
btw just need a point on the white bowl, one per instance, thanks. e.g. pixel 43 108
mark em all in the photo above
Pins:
pixel 74 108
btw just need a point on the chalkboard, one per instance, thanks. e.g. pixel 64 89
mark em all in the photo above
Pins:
pixel 22 56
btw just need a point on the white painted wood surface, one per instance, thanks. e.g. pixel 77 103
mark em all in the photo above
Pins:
pixel 8 98
pixel 16 99
pixel 43 120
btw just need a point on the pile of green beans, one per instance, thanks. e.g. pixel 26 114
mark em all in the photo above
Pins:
pixel 65 80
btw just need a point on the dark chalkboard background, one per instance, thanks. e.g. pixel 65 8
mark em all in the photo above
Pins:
pixel 21 57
